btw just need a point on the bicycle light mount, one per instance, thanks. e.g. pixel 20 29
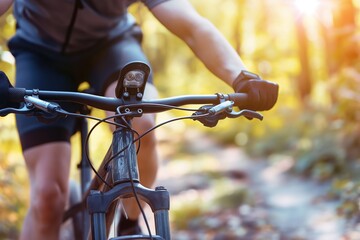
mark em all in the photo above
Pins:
pixel 132 81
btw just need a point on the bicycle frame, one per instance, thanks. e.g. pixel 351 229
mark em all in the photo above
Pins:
pixel 125 177
pixel 124 174
pixel 81 228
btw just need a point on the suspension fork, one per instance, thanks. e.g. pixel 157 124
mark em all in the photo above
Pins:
pixel 125 177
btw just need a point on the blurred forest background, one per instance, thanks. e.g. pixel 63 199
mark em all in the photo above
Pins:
pixel 309 47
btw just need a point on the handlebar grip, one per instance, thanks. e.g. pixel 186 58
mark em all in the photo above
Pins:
pixel 16 94
pixel 240 100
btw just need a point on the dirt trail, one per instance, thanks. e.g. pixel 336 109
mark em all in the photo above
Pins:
pixel 285 207
pixel 298 208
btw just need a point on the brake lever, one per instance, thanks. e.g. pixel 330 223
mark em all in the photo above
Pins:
pixel 245 113
pixel 227 108
pixel 25 109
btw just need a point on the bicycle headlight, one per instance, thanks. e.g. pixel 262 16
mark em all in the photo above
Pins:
pixel 132 81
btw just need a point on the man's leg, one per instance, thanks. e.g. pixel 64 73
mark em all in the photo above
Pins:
pixel 147 156
pixel 48 167
pixel 46 146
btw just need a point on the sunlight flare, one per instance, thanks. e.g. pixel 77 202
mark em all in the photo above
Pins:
pixel 307 6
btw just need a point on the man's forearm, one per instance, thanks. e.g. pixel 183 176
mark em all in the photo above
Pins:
pixel 215 52
pixel 202 37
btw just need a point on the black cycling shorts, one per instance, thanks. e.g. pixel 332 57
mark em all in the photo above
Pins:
pixel 38 68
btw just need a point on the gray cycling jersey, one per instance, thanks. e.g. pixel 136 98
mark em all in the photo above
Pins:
pixel 46 22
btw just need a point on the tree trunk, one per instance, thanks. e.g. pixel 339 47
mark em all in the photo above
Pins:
pixel 344 27
pixel 304 81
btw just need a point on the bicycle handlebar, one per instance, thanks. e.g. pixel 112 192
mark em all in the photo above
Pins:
pixel 17 95
pixel 38 99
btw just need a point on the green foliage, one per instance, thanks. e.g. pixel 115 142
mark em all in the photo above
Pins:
pixel 13 184
pixel 321 132
pixel 13 177
pixel 232 199
pixel 222 194
pixel 348 191
pixel 188 210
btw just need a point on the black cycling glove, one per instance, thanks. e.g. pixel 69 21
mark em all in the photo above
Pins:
pixel 4 90
pixel 262 94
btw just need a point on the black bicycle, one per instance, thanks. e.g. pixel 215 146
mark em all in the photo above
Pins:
pixel 118 177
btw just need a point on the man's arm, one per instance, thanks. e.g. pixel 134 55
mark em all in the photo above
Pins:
pixel 202 37
pixel 4 6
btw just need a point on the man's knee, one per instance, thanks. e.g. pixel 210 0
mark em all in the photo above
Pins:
pixel 48 203
pixel 144 123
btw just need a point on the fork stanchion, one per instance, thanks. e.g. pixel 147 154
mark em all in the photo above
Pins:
pixel 98 227
pixel 162 223
pixel 161 213
pixel 158 200
pixel 97 215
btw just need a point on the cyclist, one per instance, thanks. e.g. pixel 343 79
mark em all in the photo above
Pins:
pixel 59 44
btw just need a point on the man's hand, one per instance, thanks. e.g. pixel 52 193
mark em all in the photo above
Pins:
pixel 262 94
